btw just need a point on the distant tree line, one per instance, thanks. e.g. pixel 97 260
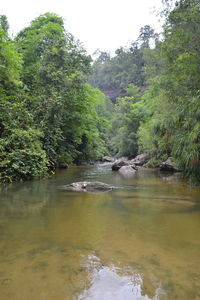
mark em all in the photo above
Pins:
pixel 113 74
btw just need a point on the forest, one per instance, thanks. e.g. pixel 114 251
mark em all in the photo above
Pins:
pixel 57 105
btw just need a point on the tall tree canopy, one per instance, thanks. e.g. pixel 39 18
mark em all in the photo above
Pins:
pixel 43 86
pixel 113 74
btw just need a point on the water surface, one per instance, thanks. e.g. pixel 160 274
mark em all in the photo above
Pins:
pixel 138 242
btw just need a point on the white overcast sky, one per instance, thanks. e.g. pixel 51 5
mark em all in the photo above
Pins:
pixel 103 24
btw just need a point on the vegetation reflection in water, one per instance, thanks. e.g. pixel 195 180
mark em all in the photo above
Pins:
pixel 137 242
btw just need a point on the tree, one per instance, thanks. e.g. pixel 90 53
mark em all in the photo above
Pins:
pixel 4 23
pixel 125 123
pixel 47 112
pixel 55 69
pixel 113 74
pixel 21 154
pixel 146 36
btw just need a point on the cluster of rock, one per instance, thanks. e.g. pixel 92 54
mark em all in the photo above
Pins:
pixel 126 166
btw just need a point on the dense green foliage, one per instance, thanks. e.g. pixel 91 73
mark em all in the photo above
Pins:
pixel 48 114
pixel 125 123
pixel 174 126
pixel 122 77
pixel 164 119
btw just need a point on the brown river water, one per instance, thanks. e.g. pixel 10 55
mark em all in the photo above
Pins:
pixel 140 241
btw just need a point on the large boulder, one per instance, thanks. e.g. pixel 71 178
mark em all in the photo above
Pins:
pixel 127 171
pixel 140 160
pixel 88 186
pixel 169 165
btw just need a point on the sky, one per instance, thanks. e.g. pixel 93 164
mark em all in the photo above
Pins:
pixel 98 24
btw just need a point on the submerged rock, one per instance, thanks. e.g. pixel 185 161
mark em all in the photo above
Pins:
pixel 171 176
pixel 88 186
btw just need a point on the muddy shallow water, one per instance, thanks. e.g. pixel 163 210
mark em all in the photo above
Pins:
pixel 139 241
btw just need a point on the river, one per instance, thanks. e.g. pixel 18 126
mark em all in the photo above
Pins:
pixel 140 241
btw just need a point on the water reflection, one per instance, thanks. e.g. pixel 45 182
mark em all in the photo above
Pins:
pixel 112 283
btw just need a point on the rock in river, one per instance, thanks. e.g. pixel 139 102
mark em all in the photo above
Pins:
pixel 118 164
pixel 140 160
pixel 108 159
pixel 88 186
pixel 169 165
pixel 127 171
